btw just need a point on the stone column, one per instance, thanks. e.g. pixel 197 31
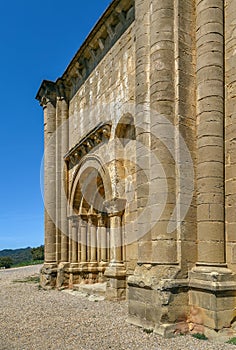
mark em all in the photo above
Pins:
pixel 50 185
pixel 230 131
pixel 73 266
pixel 142 120
pixel 74 240
pixel 156 64
pixel 58 179
pixel 47 97
pixel 98 243
pixel 212 284
pixel 102 246
pixel 143 137
pixel 64 172
pixel 83 237
pixel 70 240
pixel 92 246
pixel 108 241
pixel 115 271
pixel 102 232
pixel 210 133
pixel 115 238
pixel 115 209
pixel 79 240
pixel 93 237
pixel 62 238
pixel 88 247
pixel 162 116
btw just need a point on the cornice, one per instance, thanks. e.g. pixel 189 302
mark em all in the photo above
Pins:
pixel 95 137
pixel 47 93
pixel 112 24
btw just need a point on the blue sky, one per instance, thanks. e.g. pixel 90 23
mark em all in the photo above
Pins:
pixel 38 40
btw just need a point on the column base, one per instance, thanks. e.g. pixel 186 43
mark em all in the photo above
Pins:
pixel 83 273
pixel 158 300
pixel 212 300
pixel 103 264
pixel 83 266
pixel 116 282
pixel 63 275
pixel 48 276
pixel 101 270
pixel 74 274
pixel 93 272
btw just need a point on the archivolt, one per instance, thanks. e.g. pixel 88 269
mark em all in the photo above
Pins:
pixel 89 169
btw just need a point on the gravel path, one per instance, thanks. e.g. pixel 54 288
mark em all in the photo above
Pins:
pixel 31 318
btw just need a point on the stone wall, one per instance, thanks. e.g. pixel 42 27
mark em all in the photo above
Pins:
pixel 139 177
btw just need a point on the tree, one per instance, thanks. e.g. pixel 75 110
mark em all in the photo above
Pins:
pixel 38 253
pixel 6 261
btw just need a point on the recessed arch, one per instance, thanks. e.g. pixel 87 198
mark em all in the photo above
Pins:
pixel 125 129
pixel 91 182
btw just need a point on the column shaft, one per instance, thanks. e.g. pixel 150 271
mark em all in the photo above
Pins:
pixel 142 120
pixel 104 245
pixel 230 131
pixel 98 244
pixel 58 179
pixel 64 182
pixel 88 242
pixel 108 245
pixel 210 132
pixel 74 241
pixel 70 241
pixel 83 233
pixel 50 182
pixel 116 239
pixel 93 240
pixel 162 116
pixel 79 240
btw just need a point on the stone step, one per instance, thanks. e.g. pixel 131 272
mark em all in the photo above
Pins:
pixel 98 289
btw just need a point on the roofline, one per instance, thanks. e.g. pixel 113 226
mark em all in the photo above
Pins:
pixel 108 29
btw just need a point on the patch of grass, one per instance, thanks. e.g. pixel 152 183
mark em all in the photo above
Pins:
pixel 232 341
pixel 199 336
pixel 28 263
pixel 30 279
pixel 148 330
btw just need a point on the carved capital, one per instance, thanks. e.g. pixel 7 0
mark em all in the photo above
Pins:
pixel 92 216
pixel 115 206
pixel 83 215
pixel 44 101
pixel 106 130
pixel 47 93
pixel 83 220
pixel 74 220
pixel 63 90
pixel 102 220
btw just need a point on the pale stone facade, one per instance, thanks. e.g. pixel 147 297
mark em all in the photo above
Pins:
pixel 140 164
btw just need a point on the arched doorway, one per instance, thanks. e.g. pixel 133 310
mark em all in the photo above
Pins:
pixel 89 228
pixel 95 228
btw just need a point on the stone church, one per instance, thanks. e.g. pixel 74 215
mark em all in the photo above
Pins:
pixel 140 165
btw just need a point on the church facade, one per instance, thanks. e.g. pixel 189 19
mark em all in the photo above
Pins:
pixel 140 165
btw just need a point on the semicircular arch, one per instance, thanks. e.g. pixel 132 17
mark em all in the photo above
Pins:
pixel 90 177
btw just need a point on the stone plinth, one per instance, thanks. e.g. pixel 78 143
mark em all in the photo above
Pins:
pixel 212 298
pixel 116 282
pixel 158 300
pixel 48 276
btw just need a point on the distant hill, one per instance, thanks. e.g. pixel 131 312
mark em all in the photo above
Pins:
pixel 17 255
